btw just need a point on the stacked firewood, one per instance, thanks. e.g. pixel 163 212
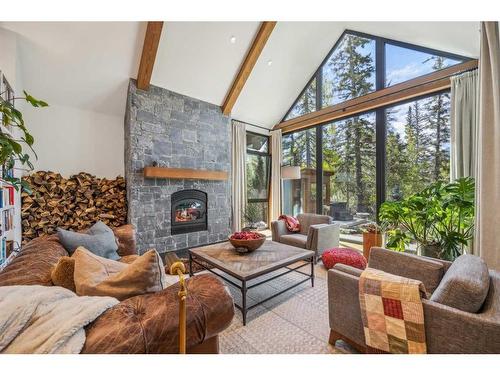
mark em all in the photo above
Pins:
pixel 75 203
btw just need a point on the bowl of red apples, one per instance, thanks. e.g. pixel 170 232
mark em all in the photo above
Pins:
pixel 246 242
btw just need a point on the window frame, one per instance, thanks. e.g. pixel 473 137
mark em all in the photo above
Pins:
pixel 380 149
pixel 267 155
pixel 380 66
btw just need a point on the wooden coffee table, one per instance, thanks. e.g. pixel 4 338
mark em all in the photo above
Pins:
pixel 271 256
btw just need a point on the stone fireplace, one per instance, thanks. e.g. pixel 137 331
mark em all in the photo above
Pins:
pixel 170 130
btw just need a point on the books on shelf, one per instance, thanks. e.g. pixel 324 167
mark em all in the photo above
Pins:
pixel 6 196
pixel 6 248
pixel 7 220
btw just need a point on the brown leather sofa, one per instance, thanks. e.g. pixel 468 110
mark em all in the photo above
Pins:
pixel 141 324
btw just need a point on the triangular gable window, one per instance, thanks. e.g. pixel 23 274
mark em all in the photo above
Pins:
pixel 351 70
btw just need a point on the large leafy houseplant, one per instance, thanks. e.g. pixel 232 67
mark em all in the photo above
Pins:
pixel 11 147
pixel 440 217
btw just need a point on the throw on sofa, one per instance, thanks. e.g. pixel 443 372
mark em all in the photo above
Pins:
pixel 461 315
pixel 317 233
pixel 142 324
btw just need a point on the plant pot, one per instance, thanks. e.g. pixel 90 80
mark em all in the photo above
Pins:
pixel 431 250
pixel 370 240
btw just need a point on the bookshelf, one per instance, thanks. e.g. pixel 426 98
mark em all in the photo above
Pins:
pixel 10 198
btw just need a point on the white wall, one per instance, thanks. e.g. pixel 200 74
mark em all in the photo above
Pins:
pixel 8 56
pixel 69 140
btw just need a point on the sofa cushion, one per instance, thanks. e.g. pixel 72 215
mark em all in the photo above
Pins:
pixel 98 276
pixel 99 239
pixel 63 273
pixel 427 270
pixel 306 220
pixel 296 239
pixel 465 285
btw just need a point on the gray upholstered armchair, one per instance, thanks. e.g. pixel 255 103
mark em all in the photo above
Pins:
pixel 317 233
pixel 462 314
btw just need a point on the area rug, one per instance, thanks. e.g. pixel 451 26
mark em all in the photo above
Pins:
pixel 292 323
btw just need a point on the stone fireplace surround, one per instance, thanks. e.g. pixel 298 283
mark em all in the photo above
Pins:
pixel 174 131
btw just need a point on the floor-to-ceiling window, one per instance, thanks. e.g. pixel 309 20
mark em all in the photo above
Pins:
pixel 350 166
pixel 299 149
pixel 257 172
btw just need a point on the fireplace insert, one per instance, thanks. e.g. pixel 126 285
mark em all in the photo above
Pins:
pixel 189 211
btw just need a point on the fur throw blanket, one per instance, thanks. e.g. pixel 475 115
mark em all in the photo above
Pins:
pixel 41 319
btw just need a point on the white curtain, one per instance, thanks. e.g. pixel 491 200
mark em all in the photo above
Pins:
pixel 464 123
pixel 276 157
pixel 239 156
pixel 486 241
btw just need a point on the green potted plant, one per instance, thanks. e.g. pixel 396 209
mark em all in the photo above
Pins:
pixel 11 147
pixel 372 236
pixel 440 219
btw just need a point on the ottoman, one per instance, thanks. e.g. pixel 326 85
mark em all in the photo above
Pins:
pixel 343 255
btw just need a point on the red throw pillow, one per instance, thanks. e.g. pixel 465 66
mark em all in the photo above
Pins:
pixel 345 256
pixel 292 224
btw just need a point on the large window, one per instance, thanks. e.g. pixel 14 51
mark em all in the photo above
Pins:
pixel 350 166
pixel 257 173
pixel 359 64
pixel 299 149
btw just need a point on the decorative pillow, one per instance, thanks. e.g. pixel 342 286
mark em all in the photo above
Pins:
pixel 99 239
pixel 63 273
pixel 465 285
pixel 98 276
pixel 128 258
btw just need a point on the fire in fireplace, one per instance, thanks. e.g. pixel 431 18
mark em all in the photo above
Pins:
pixel 189 211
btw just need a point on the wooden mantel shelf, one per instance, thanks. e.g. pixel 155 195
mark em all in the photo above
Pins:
pixel 181 173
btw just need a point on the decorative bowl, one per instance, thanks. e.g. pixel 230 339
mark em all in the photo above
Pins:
pixel 247 245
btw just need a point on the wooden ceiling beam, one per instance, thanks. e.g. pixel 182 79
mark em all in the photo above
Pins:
pixel 427 84
pixel 148 57
pixel 265 30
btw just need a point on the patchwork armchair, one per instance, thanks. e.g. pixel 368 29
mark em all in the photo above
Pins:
pixel 461 314
pixel 317 233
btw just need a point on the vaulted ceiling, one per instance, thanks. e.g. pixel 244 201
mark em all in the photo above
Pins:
pixel 87 64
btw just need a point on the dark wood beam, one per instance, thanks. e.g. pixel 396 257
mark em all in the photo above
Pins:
pixel 427 84
pixel 148 57
pixel 265 30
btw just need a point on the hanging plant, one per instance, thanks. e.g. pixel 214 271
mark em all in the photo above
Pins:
pixel 12 148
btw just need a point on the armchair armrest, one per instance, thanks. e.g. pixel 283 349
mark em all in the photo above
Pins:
pixel 343 305
pixel 322 236
pixel 427 270
pixel 278 229
pixel 348 269
pixel 149 323
pixel 449 330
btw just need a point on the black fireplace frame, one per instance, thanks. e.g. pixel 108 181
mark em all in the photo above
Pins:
pixel 190 226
